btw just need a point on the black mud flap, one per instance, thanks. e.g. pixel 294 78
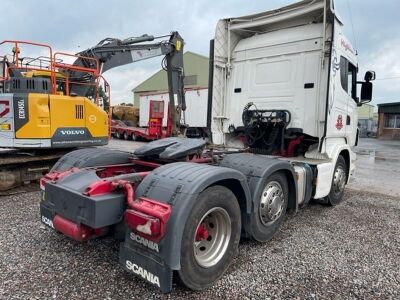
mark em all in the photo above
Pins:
pixel 46 215
pixel 146 267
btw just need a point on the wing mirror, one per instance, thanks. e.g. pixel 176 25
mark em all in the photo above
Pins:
pixel 366 88
pixel 369 76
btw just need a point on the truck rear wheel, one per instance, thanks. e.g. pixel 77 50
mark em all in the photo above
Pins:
pixel 271 207
pixel 338 182
pixel 210 239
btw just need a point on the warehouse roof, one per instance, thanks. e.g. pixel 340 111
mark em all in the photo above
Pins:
pixel 196 73
pixel 389 104
pixel 388 108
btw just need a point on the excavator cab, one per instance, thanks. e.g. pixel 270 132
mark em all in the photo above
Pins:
pixel 61 88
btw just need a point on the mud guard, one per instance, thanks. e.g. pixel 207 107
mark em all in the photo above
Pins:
pixel 90 157
pixel 257 168
pixel 179 185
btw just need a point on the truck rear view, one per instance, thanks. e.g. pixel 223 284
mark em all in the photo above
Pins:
pixel 283 119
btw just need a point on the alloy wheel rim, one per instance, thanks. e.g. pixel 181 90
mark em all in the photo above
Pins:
pixel 272 203
pixel 212 237
pixel 339 180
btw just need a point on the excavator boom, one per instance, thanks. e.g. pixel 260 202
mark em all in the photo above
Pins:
pixel 112 53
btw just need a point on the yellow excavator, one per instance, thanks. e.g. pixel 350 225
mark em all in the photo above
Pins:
pixel 51 103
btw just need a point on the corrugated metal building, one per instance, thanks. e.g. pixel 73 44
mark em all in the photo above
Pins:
pixel 196 76
pixel 389 121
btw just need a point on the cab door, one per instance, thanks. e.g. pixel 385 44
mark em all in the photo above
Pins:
pixel 349 84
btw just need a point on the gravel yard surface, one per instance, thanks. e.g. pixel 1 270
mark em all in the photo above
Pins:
pixel 349 251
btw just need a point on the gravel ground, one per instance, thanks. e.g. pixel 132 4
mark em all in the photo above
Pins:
pixel 349 251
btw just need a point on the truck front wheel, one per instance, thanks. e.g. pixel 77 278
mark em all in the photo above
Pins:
pixel 271 207
pixel 210 239
pixel 338 182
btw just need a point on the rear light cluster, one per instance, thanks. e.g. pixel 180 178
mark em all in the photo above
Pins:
pixel 42 183
pixel 148 218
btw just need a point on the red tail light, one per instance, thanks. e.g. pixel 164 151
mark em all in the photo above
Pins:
pixel 142 223
pixel 42 183
pixel 148 218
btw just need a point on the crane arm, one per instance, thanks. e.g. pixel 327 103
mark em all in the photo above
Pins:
pixel 113 53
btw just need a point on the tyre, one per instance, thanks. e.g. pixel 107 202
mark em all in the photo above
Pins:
pixel 91 157
pixel 270 207
pixel 338 182
pixel 126 136
pixel 210 239
pixel 117 135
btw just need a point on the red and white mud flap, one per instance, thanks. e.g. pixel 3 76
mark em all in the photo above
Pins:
pixel 146 266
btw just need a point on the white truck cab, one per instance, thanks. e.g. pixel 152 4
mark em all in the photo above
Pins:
pixel 285 84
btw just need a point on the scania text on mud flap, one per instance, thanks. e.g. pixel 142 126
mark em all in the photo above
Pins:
pixel 143 273
pixel 280 83
pixel 47 221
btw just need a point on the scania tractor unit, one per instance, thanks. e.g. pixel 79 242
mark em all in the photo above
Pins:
pixel 282 112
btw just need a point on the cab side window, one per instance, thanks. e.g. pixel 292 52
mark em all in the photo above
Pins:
pixel 348 77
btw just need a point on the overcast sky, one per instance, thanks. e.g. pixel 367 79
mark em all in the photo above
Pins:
pixel 76 25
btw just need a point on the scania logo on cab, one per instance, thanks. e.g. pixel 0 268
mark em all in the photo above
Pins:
pixel 150 277
pixel 149 244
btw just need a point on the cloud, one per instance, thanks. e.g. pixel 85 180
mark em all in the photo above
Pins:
pixel 77 25
pixel 386 64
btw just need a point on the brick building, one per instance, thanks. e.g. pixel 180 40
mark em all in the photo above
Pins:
pixel 389 121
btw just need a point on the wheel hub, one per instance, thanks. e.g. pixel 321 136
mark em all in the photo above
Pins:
pixel 212 237
pixel 202 233
pixel 339 180
pixel 272 202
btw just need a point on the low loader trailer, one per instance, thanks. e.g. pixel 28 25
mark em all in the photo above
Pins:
pixel 153 131
pixel 282 112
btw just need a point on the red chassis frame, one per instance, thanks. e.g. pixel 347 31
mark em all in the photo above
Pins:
pixel 145 216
